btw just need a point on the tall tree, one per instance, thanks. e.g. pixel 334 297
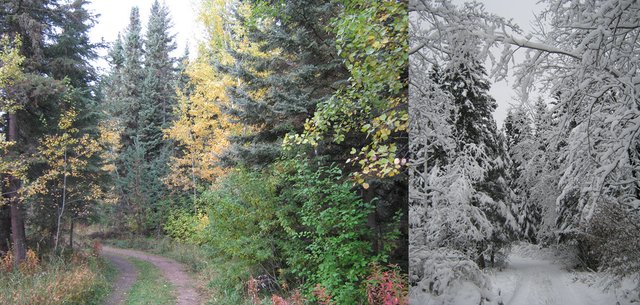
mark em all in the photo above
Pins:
pixel 57 54
pixel 364 124
pixel 141 97
pixel 159 91
pixel 522 149
pixel 475 131
pixel 10 73
pixel 125 100
pixel 278 92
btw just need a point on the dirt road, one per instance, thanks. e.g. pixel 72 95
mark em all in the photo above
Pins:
pixel 173 271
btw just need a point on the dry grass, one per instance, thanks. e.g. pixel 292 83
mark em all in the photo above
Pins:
pixel 73 280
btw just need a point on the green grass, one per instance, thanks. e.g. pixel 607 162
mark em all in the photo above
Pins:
pixel 151 287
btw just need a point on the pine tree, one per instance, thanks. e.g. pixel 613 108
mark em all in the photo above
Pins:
pixel 479 145
pixel 159 95
pixel 124 98
pixel 57 53
pixel 130 81
pixel 159 100
pixel 522 149
pixel 279 91
pixel 141 97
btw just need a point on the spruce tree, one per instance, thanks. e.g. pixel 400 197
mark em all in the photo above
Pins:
pixel 301 70
pixel 124 97
pixel 141 95
pixel 57 76
pixel 522 150
pixel 477 140
pixel 131 81
pixel 159 96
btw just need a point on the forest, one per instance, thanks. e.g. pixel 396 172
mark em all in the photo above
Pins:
pixel 320 152
pixel 544 209
pixel 272 163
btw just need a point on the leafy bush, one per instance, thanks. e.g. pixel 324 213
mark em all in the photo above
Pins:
pixel 387 286
pixel 243 226
pixel 187 227
pixel 296 225
pixel 330 239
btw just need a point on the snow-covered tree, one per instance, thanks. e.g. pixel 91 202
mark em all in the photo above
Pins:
pixel 522 149
pixel 460 201
pixel 586 56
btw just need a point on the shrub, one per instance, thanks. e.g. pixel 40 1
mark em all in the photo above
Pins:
pixel 77 279
pixel 328 223
pixel 243 227
pixel 440 271
pixel 386 287
pixel 613 240
pixel 187 227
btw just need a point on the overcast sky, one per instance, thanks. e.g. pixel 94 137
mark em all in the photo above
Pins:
pixel 114 18
pixel 522 13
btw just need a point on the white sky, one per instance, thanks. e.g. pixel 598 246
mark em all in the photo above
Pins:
pixel 522 13
pixel 114 18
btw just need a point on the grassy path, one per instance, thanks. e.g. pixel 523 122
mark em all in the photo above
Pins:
pixel 156 277
pixel 151 287
pixel 127 275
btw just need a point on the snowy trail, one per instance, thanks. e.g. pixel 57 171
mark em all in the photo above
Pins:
pixel 528 281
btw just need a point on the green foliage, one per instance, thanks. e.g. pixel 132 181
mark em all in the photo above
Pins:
pixel 330 244
pixel 139 99
pixel 187 227
pixel 295 223
pixel 243 222
pixel 298 69
pixel 372 40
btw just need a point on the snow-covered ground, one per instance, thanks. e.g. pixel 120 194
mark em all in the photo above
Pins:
pixel 528 281
pixel 534 276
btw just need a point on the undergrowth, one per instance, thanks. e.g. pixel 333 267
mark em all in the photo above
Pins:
pixel 71 278
pixel 384 285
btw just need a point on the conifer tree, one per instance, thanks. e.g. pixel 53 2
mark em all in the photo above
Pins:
pixel 141 97
pixel 160 80
pixel 480 148
pixel 301 69
pixel 57 53
pixel 522 149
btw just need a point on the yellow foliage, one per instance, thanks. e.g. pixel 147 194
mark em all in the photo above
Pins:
pixel 52 284
pixel 7 262
pixel 202 129
pixel 10 72
pixel 66 153
pixel 31 264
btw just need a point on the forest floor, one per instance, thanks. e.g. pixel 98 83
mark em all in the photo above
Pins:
pixel 531 279
pixel 533 275
pixel 173 271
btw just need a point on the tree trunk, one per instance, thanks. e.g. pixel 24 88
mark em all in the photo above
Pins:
pixel 64 201
pixel 71 234
pixel 372 220
pixel 5 228
pixel 17 223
